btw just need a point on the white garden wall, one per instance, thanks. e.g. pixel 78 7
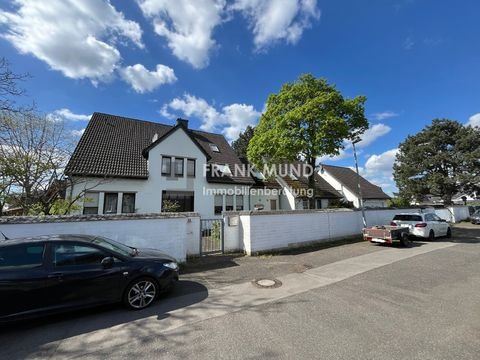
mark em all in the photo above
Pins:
pixel 175 235
pixel 262 231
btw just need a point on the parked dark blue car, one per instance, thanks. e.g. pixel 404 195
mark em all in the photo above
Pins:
pixel 53 273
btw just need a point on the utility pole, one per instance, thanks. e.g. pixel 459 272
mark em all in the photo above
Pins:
pixel 358 184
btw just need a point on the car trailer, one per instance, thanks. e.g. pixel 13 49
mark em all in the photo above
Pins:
pixel 387 234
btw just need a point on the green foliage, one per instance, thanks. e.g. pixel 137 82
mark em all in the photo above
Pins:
pixel 307 118
pixel 441 160
pixel 63 206
pixel 216 233
pixel 241 144
pixel 398 202
pixel 170 206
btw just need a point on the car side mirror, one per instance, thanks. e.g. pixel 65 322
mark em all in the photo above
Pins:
pixel 107 262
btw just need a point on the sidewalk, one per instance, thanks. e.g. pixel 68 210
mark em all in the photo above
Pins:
pixel 216 271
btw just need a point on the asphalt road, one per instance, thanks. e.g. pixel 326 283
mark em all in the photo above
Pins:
pixel 371 303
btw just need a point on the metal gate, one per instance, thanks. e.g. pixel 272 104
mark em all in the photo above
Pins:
pixel 211 236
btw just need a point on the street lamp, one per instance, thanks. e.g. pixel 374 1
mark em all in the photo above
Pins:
pixel 358 183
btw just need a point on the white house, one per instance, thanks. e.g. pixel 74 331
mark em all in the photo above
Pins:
pixel 290 192
pixel 124 165
pixel 346 181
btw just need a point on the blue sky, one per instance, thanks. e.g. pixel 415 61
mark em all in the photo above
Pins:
pixel 215 61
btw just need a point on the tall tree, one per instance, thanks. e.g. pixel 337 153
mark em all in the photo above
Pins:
pixel 33 153
pixel 307 119
pixel 241 144
pixel 441 160
pixel 9 87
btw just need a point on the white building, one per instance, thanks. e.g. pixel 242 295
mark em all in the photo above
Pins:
pixel 124 165
pixel 346 181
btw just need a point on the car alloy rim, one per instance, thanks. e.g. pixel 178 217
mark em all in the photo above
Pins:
pixel 141 294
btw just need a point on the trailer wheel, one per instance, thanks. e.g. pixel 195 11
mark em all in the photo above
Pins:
pixel 405 240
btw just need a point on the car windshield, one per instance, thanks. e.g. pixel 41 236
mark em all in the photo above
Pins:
pixel 408 217
pixel 115 246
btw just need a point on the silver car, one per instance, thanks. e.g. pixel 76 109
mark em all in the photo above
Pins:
pixel 424 225
pixel 475 217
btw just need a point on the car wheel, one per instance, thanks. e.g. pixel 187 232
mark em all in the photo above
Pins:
pixel 405 240
pixel 449 233
pixel 140 293
pixel 431 236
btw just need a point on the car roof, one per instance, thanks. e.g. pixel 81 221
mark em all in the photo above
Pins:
pixel 53 237
pixel 420 214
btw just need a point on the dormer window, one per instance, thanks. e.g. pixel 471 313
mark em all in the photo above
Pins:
pixel 224 169
pixel 214 147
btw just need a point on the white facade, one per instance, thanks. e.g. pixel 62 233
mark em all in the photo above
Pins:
pixel 350 195
pixel 148 192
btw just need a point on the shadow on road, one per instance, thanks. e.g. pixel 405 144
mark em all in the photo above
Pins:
pixel 466 233
pixel 210 262
pixel 40 331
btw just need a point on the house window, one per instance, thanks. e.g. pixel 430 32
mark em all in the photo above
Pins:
pixel 191 167
pixel 166 165
pixel 273 204
pixel 110 203
pixel 214 147
pixel 318 203
pixel 218 204
pixel 178 167
pixel 182 201
pixel 239 206
pixel 128 203
pixel 229 203
pixel 306 204
pixel 90 203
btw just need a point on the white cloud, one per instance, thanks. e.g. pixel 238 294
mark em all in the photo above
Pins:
pixel 67 115
pixel 230 120
pixel 474 120
pixel 342 155
pixel 78 38
pixel 372 134
pixel 186 25
pixel 143 80
pixel 408 43
pixel 384 115
pixel 77 133
pixel 378 169
pixel 276 20
pixel 237 117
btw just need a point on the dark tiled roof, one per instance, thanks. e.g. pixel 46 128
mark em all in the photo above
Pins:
pixel 322 188
pixel 348 178
pixel 266 183
pixel 112 146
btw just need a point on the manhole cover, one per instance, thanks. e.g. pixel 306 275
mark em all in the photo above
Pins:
pixel 267 283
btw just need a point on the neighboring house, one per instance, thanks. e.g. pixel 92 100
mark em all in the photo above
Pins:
pixel 289 190
pixel 266 195
pixel 428 200
pixel 295 189
pixel 345 181
pixel 124 165
pixel 464 199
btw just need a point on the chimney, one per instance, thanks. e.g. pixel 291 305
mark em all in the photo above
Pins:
pixel 182 122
